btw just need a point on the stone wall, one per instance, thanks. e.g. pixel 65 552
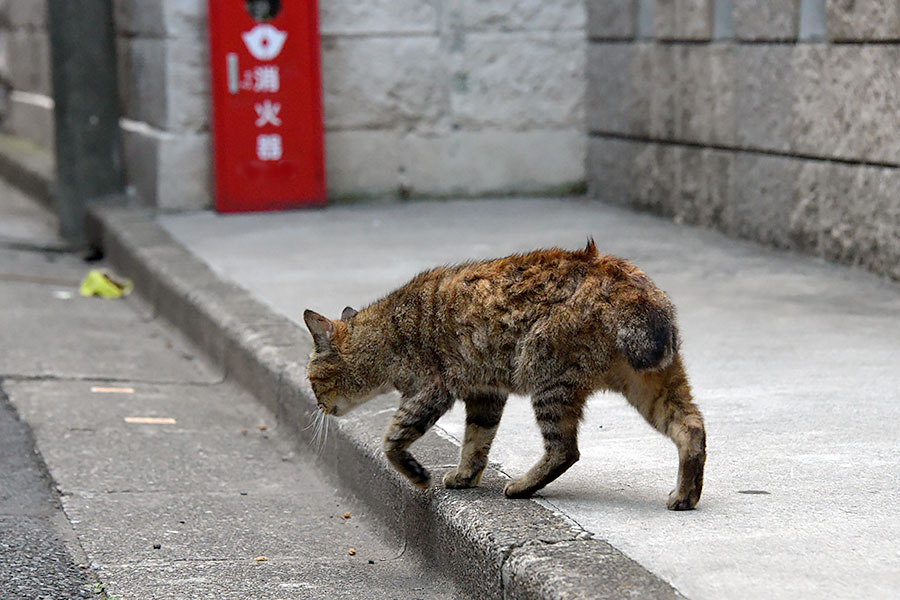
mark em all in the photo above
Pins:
pixel 439 97
pixel 164 92
pixel 773 120
pixel 26 107
pixel 421 97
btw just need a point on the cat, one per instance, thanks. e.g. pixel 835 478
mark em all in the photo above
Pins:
pixel 553 324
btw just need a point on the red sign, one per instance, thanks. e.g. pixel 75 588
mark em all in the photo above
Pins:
pixel 267 104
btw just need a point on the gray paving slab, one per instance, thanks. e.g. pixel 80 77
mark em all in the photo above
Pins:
pixel 96 406
pixel 792 361
pixel 223 439
pixel 302 524
pixel 49 330
pixel 344 578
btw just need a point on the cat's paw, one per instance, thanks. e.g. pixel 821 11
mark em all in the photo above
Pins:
pixel 421 478
pixel 453 481
pixel 518 489
pixel 682 502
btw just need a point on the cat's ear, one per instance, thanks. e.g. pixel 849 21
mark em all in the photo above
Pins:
pixel 322 329
pixel 348 312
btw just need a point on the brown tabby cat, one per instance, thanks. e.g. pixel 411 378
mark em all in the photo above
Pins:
pixel 554 324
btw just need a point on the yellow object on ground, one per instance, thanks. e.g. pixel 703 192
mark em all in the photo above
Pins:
pixel 98 283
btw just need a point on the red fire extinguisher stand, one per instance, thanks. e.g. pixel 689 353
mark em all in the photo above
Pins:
pixel 267 104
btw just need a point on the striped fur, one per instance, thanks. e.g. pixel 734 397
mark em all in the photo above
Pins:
pixel 553 324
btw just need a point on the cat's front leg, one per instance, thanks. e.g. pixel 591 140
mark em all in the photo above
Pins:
pixel 413 418
pixel 483 412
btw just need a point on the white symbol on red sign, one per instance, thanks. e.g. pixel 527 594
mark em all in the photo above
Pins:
pixel 264 41
pixel 268 147
pixel 267 112
pixel 262 79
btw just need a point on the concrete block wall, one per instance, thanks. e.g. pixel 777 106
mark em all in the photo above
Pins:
pixel 772 120
pixel 163 57
pixel 445 97
pixel 26 105
pixel 421 97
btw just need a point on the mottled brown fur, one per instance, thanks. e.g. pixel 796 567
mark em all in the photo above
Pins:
pixel 552 324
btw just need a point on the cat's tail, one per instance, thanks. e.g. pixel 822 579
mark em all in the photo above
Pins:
pixel 645 330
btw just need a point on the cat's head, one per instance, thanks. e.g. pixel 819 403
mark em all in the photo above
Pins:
pixel 336 384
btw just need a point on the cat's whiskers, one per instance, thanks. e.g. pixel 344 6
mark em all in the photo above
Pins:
pixel 324 440
pixel 317 431
pixel 311 422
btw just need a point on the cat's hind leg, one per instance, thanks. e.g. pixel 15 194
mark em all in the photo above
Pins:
pixel 483 412
pixel 413 418
pixel 558 410
pixel 664 399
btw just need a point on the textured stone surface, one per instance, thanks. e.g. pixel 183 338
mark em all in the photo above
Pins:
pixel 362 163
pixel 4 61
pixel 140 153
pixel 519 83
pixel 683 92
pixel 762 198
pixel 603 573
pixel 849 214
pixel 764 96
pixel 519 15
pixel 844 213
pixel 472 162
pixel 609 169
pixel 184 174
pixel 766 19
pixel 164 18
pixel 29 65
pixel 612 19
pixel 845 101
pixel 187 86
pixel 656 172
pixel 382 83
pixel 683 19
pixel 171 171
pixel 27 13
pixel 609 87
pixel 659 79
pixel 863 19
pixel 342 17
pixel 136 17
pixel 642 90
pixel 165 83
pixel 142 79
pixel 704 186
pixel 705 103
pixel 31 122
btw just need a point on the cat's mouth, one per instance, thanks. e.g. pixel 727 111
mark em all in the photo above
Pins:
pixel 328 410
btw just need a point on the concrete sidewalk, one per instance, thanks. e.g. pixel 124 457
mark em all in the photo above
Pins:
pixel 792 361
